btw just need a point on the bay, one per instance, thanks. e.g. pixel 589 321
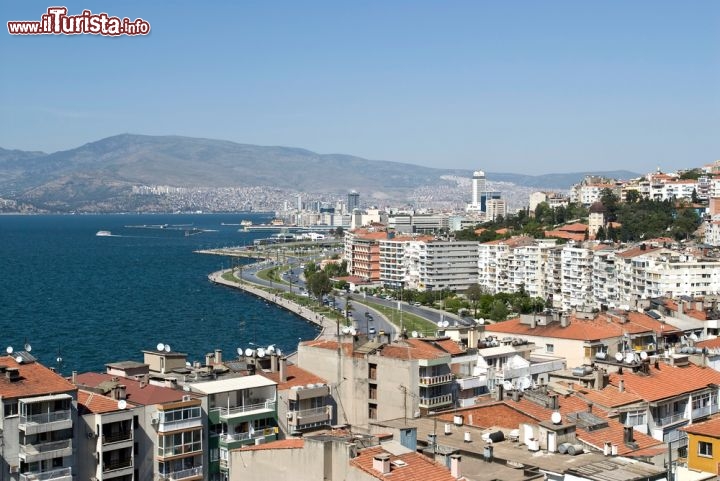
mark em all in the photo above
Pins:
pixel 92 300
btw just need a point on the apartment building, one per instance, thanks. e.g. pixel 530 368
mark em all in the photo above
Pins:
pixel 392 259
pixel 362 253
pixel 38 421
pixel 577 289
pixel 604 278
pixel 502 264
pixel 579 336
pixel 703 446
pixel 437 265
pixel 240 411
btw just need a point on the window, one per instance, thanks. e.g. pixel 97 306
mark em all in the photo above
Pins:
pixel 635 418
pixel 549 348
pixel 10 408
pixel 705 449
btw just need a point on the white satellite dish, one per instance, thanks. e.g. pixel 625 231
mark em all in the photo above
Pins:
pixel 239 351
pixel 249 352
pixel 480 321
pixel 353 331
pixel 619 356
pixel 278 352
pixel 346 330
pixel 59 359
pixel 122 404
pixel 9 350
pixel 629 358
pixel 186 388
pixel 28 347
pixel 507 385
pixel 556 418
pixel 187 364
pixel 160 346
pixel 270 349
pixel 525 383
pixel 261 352
pixel 414 334
pixel 167 348
pixel 693 337
pixel 19 359
pixel 643 355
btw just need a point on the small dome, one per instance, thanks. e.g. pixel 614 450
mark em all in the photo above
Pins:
pixel 598 208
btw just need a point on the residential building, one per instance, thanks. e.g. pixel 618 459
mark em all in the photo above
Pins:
pixel 703 446
pixel 577 288
pixel 495 208
pixel 362 253
pixel 437 265
pixel 39 417
pixel 240 411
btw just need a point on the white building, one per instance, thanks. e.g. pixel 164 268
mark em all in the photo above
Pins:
pixel 437 265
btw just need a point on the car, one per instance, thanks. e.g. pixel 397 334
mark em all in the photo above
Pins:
pixel 371 331
pixel 416 304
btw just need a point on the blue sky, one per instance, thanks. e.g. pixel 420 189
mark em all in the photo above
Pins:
pixel 503 86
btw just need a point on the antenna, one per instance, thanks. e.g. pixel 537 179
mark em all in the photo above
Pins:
pixel 9 350
pixel 415 334
pixel 122 404
pixel 261 352
pixel 239 351
pixel 28 347
pixel 556 418
pixel 160 346
pixel 167 348
pixel 19 359
pixel 249 352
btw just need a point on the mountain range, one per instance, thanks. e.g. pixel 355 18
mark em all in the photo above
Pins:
pixel 103 172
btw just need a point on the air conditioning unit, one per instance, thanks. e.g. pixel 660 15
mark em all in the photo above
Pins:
pixel 154 421
pixel 290 415
pixel 186 398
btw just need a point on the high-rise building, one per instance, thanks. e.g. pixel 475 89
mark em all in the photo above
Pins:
pixel 478 187
pixel 353 201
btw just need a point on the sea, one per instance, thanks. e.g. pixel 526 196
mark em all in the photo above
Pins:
pixel 81 301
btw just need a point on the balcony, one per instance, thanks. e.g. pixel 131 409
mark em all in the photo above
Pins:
pixel 668 420
pixel 117 437
pixel 433 380
pixel 181 424
pixel 320 415
pixel 31 453
pixel 179 449
pixel 436 401
pixel 41 423
pixel 472 382
pixel 235 440
pixel 185 474
pixel 61 474
pixel 267 405
pixel 704 411
pixel 298 393
pixel 116 465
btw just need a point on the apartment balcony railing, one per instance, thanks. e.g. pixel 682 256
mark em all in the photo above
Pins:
pixel 182 474
pixel 165 426
pixel 317 415
pixel 117 437
pixel 433 380
pixel 667 420
pixel 431 402
pixel 260 433
pixel 51 421
pixel 43 451
pixel 472 382
pixel 115 465
pixel 179 449
pixel 61 474
pixel 704 411
pixel 268 404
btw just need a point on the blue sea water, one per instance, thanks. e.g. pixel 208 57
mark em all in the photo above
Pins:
pixel 96 299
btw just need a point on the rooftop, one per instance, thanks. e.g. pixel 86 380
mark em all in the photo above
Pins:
pixel 411 466
pixel 296 376
pixel 94 403
pixel 232 384
pixel 34 380
pixel 137 392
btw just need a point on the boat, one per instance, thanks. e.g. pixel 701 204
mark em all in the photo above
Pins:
pixel 103 233
pixel 246 223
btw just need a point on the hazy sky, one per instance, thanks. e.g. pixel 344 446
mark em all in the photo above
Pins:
pixel 503 86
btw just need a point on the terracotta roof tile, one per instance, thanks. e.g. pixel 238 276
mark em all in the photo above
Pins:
pixel 35 380
pixel 610 397
pixel 137 394
pixel 412 349
pixel 664 381
pixel 417 467
pixel 708 428
pixel 576 228
pixel 296 376
pixel 709 343
pixel 91 402
pixel 347 347
pixel 450 346
pixel 290 443
pixel 636 251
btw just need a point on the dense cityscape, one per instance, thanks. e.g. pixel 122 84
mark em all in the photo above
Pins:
pixel 549 342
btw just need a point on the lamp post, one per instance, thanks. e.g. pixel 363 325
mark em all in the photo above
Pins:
pixel 434 415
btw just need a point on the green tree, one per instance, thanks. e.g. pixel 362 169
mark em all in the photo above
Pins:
pixel 601 235
pixel 319 284
pixel 474 293
pixel 339 232
pixel 632 196
pixel 498 310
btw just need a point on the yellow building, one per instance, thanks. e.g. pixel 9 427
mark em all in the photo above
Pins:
pixel 703 452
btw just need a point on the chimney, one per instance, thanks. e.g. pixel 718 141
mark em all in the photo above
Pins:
pixel 600 379
pixel 455 470
pixel 533 322
pixel 564 319
pixel 621 385
pixel 381 463
pixel 628 434
pixel 12 373
pixel 218 356
pixel 283 369
pixel 119 392
pixel 74 377
pixel 274 363
pixel 554 403
pixel 589 407
pixel 209 358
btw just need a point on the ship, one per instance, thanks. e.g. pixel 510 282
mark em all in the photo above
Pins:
pixel 103 233
pixel 246 223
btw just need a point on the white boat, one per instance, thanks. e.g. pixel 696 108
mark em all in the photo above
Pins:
pixel 246 223
pixel 103 233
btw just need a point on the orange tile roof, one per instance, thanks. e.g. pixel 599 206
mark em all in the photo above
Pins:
pixel 564 235
pixel 636 251
pixel 614 433
pixel 290 443
pixel 667 381
pixel 411 349
pixel 502 231
pixel 609 397
pixel 347 347
pixel 137 394
pixel 585 329
pixel 708 428
pixel 417 467
pixel 35 380
pixel 370 235
pixel 497 414
pixel 450 346
pixel 91 402
pixel 296 376
pixel 577 227
pixel 709 343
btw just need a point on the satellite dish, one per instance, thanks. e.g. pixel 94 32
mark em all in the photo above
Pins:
pixel 629 358
pixel 643 355
pixel 122 404
pixel 240 351
pixel 28 347
pixel 186 388
pixel 525 383
pixel 693 337
pixel 481 321
pixel 9 350
pixel 187 364
pixel 261 352
pixel 249 352
pixel 507 385
pixel 556 418
pixel 160 346
pixel 619 356
pixel 414 334
pixel 346 330
pixel 167 347
pixel 270 349
pixel 19 359
pixel 353 331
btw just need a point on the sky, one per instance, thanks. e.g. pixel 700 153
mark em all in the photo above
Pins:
pixel 504 86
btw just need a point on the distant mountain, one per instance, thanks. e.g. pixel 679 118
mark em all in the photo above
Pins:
pixel 104 171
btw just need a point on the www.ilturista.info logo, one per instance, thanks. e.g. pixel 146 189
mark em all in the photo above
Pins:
pixel 57 22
